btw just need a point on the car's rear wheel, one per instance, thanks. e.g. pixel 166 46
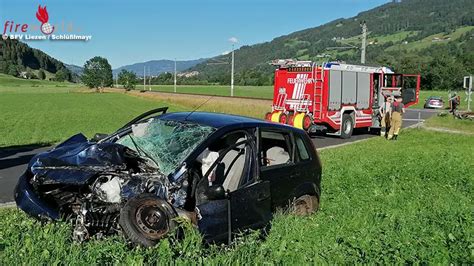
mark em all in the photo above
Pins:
pixel 146 219
pixel 305 205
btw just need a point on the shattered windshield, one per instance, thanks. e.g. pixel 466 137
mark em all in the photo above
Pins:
pixel 166 143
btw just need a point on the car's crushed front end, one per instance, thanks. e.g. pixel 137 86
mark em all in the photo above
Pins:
pixel 90 182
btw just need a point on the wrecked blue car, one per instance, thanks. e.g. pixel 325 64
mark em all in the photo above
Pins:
pixel 224 174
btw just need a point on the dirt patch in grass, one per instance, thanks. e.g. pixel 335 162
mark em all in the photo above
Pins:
pixel 246 107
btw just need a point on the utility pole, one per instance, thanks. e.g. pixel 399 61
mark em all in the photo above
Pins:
pixel 364 42
pixel 144 78
pixel 149 81
pixel 175 75
pixel 468 85
pixel 232 74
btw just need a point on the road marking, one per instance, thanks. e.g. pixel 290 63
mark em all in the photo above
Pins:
pixel 360 140
pixel 8 204
pixel 344 144
pixel 413 119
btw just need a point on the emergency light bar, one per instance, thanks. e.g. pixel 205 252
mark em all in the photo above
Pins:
pixel 292 63
pixel 286 63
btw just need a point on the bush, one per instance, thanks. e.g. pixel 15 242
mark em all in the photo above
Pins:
pixel 41 74
pixel 128 79
pixel 13 71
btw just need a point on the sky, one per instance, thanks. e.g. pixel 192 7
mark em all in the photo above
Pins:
pixel 127 32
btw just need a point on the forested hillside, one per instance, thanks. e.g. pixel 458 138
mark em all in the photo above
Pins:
pixel 433 37
pixel 17 58
pixel 156 67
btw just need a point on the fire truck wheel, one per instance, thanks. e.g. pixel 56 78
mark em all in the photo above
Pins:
pixel 291 119
pixel 307 122
pixel 347 126
pixel 283 119
pixel 268 116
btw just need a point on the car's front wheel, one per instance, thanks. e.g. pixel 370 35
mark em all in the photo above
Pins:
pixel 305 205
pixel 146 219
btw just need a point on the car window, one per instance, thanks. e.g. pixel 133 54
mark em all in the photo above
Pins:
pixel 234 165
pixel 225 162
pixel 166 143
pixel 275 148
pixel 302 149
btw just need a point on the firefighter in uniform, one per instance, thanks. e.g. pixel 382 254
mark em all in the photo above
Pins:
pixel 398 108
pixel 385 112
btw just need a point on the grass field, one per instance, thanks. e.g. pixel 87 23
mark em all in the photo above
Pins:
pixel 252 108
pixel 381 39
pixel 9 84
pixel 413 206
pixel 408 201
pixel 42 112
pixel 265 92
pixel 428 41
pixel 451 123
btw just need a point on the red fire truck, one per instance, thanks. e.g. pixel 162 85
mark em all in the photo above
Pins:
pixel 335 98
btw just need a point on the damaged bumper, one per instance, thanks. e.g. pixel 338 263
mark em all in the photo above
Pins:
pixel 128 184
pixel 27 200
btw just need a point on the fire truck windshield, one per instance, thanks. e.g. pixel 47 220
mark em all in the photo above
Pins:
pixel 393 80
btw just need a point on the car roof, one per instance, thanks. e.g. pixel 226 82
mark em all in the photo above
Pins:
pixel 219 120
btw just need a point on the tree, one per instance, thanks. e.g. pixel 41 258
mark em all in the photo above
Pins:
pixel 443 73
pixel 12 70
pixel 41 74
pixel 97 73
pixel 128 79
pixel 62 75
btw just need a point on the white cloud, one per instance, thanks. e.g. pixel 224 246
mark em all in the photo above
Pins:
pixel 225 52
pixel 233 40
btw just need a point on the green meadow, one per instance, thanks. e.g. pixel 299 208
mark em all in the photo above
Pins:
pixel 413 206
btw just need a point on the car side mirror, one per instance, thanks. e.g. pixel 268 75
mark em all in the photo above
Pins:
pixel 99 136
pixel 216 192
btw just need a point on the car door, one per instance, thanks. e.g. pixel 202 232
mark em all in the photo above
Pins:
pixel 247 206
pixel 251 206
pixel 409 91
pixel 281 171
pixel 307 180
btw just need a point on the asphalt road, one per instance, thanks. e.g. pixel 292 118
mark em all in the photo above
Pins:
pixel 13 160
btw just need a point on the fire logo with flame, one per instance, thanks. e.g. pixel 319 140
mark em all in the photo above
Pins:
pixel 43 17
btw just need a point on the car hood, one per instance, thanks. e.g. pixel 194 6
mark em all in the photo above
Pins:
pixel 77 160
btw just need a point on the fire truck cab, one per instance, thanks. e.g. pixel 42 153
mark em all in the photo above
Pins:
pixel 334 97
